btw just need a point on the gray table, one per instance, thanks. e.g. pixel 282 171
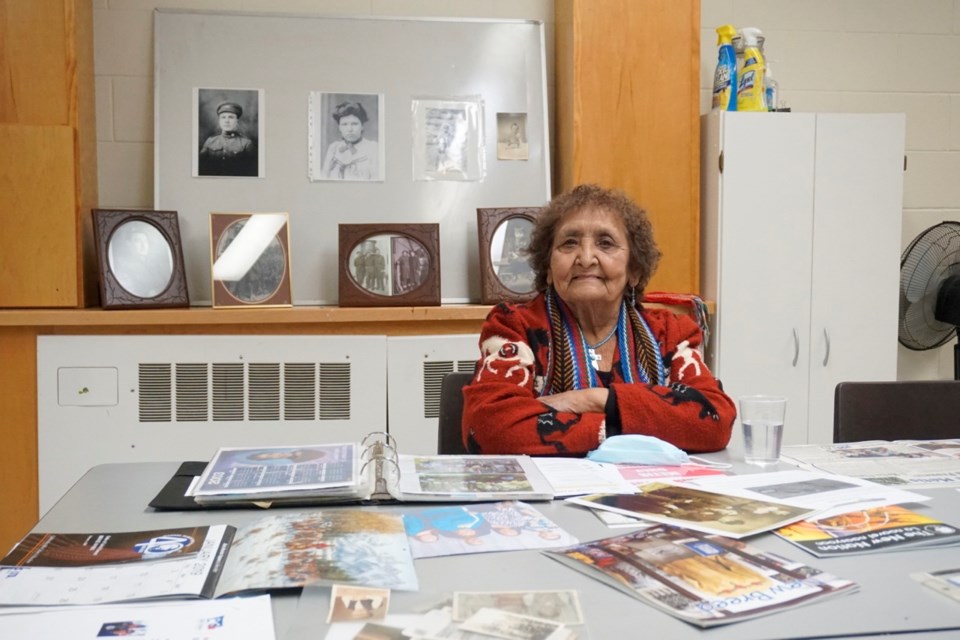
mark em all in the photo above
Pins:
pixel 114 497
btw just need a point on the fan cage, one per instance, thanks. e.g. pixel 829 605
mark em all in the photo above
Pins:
pixel 931 257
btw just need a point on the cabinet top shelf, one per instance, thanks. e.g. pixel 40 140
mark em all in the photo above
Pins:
pixel 246 316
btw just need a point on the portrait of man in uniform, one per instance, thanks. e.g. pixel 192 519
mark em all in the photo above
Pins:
pixel 229 140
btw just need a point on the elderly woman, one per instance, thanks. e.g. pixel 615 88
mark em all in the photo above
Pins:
pixel 584 360
pixel 353 157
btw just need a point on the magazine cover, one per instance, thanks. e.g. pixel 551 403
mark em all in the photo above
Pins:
pixel 886 528
pixel 702 579
pixel 717 513
pixel 85 549
pixel 267 470
pixel 481 527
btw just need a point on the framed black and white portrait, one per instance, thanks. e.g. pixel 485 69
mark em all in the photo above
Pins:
pixel 346 136
pixel 448 139
pixel 250 259
pixel 228 133
pixel 512 137
pixel 140 259
pixel 505 272
pixel 385 265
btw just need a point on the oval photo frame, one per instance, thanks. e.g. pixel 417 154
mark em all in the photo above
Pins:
pixel 389 265
pixel 505 273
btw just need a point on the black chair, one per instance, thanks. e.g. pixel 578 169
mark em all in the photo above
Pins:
pixel 449 433
pixel 901 410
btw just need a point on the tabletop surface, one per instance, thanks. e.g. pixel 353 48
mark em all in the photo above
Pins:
pixel 113 497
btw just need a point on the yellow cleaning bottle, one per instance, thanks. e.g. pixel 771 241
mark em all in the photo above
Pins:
pixel 750 91
pixel 725 75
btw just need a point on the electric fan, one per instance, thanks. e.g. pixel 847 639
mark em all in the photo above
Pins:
pixel 930 290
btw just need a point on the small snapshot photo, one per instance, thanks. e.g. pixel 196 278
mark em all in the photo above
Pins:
pixel 126 628
pixel 512 136
pixel 346 136
pixel 228 132
pixel 410 264
pixel 448 140
pixel 350 604
pixel 512 626
pixel 559 606
pixel 369 264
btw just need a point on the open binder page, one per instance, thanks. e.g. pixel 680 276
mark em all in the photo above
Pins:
pixel 471 478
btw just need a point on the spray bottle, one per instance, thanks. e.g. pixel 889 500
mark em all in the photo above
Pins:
pixel 750 91
pixel 725 76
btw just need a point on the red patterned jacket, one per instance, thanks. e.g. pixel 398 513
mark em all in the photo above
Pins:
pixel 502 414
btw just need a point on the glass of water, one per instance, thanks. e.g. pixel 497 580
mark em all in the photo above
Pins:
pixel 762 420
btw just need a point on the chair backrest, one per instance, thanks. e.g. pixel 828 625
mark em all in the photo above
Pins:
pixel 449 433
pixel 901 410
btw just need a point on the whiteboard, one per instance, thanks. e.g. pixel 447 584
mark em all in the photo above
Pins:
pixel 497 64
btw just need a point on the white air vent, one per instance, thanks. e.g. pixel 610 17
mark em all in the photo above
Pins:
pixel 417 366
pixel 180 397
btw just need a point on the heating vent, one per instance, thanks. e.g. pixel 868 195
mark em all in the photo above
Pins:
pixel 433 373
pixel 233 392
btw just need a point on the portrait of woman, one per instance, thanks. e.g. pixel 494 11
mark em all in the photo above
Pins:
pixel 585 359
pixel 344 136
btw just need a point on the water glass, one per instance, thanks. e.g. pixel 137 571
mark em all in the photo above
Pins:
pixel 762 420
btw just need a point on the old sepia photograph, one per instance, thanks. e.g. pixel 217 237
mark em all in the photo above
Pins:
pixel 228 127
pixel 250 259
pixel 512 136
pixel 346 136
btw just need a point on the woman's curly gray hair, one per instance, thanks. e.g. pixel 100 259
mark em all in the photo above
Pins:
pixel 644 254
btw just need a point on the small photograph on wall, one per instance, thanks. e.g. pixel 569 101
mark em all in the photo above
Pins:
pixel 228 132
pixel 346 136
pixel 512 136
pixel 369 264
pixel 448 139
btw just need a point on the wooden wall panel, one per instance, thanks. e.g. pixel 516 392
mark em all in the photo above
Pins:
pixel 19 488
pixel 38 214
pixel 628 115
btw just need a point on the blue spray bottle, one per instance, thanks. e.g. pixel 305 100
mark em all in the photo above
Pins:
pixel 725 76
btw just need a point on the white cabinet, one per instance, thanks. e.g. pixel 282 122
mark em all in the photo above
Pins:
pixel 800 250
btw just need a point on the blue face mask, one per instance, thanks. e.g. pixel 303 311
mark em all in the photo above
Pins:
pixel 637 449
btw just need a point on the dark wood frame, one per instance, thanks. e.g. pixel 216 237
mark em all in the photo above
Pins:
pixel 220 295
pixel 493 290
pixel 114 295
pixel 425 295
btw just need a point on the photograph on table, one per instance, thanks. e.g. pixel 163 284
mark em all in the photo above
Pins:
pixel 346 136
pixel 228 132
pixel 504 234
pixel 448 139
pixel 389 265
pixel 140 259
pixel 250 259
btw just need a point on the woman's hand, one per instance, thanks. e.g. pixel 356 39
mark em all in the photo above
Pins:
pixel 592 400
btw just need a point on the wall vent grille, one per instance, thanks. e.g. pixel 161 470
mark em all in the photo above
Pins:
pixel 155 392
pixel 335 390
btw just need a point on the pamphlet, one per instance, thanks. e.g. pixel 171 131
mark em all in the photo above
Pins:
pixel 702 579
pixel 888 528
pixel 281 551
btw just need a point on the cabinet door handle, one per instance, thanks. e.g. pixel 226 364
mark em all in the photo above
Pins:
pixel 826 355
pixel 796 346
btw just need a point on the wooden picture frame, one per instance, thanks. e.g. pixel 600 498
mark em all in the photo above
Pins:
pixel 505 274
pixel 404 265
pixel 250 260
pixel 140 259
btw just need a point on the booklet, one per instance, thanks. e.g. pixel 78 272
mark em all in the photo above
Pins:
pixel 368 471
pixel 227 619
pixel 476 528
pixel 702 579
pixel 275 552
pixel 887 528
pixel 717 513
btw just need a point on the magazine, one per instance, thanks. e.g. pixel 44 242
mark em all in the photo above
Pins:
pixel 717 513
pixel 274 552
pixel 476 528
pixel 352 472
pixel 702 579
pixel 85 549
pixel 908 464
pixel 888 528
